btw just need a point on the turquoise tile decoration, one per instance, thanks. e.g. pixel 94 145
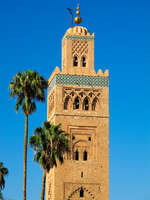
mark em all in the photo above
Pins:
pixel 78 80
pixel 76 37
pixel 51 85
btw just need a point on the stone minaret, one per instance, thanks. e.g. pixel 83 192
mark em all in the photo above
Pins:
pixel 78 98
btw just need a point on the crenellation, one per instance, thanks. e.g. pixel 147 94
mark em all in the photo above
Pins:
pixel 105 74
pixel 56 71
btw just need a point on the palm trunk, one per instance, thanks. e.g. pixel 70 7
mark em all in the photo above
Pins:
pixel 1 196
pixel 43 184
pixel 25 156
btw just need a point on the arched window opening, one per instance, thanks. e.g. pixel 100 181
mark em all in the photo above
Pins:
pixel 75 61
pixel 81 192
pixel 72 94
pixel 83 61
pixel 76 155
pixel 86 104
pixel 90 94
pixel 73 137
pixel 81 94
pixel 66 103
pixel 76 103
pixel 95 101
pixel 85 155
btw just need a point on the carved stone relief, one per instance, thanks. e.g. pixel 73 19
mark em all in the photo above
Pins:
pixel 79 48
pixel 90 191
pixel 50 103
pixel 88 99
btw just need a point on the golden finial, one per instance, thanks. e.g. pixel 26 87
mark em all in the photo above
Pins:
pixel 78 19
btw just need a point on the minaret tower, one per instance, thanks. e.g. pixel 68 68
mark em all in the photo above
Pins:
pixel 78 98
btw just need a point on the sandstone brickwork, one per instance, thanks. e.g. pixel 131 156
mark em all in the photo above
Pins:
pixel 78 98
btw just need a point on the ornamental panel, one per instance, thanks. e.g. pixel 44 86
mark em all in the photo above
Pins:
pixel 76 80
pixel 79 48
pixel 72 191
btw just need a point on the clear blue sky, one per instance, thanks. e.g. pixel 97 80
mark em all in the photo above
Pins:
pixel 30 38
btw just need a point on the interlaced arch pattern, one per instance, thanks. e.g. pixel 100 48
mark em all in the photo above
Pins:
pixel 81 100
pixel 81 192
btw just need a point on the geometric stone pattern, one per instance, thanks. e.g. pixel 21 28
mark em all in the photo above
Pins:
pixel 77 80
pixel 79 48
pixel 90 94
pixel 82 93
pixel 50 103
pixel 71 191
pixel 75 37
pixel 51 85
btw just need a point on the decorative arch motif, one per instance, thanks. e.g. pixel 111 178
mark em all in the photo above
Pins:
pixel 81 150
pixel 85 155
pixel 81 192
pixel 82 94
pixel 82 99
pixel 75 61
pixel 50 103
pixel 76 104
pixel 79 47
pixel 91 94
pixel 77 194
pixel 83 61
pixel 86 102
pixel 95 104
pixel 66 103
pixel 76 155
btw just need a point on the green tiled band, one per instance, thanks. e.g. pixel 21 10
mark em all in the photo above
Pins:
pixel 51 85
pixel 67 79
pixel 76 37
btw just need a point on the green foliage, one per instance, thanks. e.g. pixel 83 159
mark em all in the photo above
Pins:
pixel 3 173
pixel 28 87
pixel 1 196
pixel 49 143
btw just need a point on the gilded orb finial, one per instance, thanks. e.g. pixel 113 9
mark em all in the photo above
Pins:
pixel 78 19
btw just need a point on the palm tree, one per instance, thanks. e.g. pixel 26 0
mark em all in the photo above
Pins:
pixel 3 173
pixel 1 196
pixel 50 144
pixel 27 87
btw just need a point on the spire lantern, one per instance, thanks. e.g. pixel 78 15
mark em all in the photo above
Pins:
pixel 78 19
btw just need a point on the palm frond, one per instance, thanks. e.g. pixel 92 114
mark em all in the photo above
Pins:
pixel 27 87
pixel 51 146
pixel 1 196
pixel 3 173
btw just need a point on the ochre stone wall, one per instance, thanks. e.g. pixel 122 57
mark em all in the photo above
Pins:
pixel 83 112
